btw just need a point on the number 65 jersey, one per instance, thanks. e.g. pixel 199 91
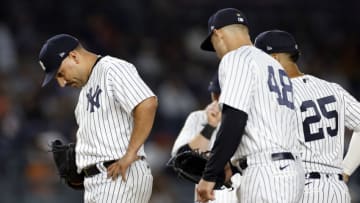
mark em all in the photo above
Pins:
pixel 323 109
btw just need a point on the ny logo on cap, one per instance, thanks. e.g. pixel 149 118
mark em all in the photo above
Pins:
pixel 240 19
pixel 268 48
pixel 62 54
pixel 42 66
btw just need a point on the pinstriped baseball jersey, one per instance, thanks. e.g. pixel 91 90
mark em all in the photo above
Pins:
pixel 324 109
pixel 103 112
pixel 194 123
pixel 255 83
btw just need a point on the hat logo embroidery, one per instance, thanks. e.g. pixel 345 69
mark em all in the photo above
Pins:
pixel 268 48
pixel 93 99
pixel 212 27
pixel 240 19
pixel 62 54
pixel 42 66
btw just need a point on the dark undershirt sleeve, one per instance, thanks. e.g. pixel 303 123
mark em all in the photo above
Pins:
pixel 228 138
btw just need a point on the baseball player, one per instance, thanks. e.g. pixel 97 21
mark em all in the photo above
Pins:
pixel 199 133
pixel 115 113
pixel 352 158
pixel 323 109
pixel 258 117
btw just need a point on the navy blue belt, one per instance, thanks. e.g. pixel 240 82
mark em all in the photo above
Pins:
pixel 274 157
pixel 317 175
pixel 93 169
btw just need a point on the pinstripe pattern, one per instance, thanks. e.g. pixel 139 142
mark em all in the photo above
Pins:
pixel 192 127
pixel 243 81
pixel 329 190
pixel 324 154
pixel 265 182
pixel 248 79
pixel 136 189
pixel 104 130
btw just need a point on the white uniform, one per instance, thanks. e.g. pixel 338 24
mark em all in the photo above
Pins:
pixel 104 117
pixel 255 83
pixel 193 125
pixel 324 109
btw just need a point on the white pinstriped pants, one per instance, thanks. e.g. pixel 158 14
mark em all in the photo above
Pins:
pixel 136 189
pixel 329 190
pixel 272 182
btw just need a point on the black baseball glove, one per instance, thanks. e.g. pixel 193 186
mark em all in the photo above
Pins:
pixel 190 166
pixel 64 157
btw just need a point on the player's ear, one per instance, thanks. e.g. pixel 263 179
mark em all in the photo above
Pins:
pixel 217 33
pixel 75 56
pixel 275 56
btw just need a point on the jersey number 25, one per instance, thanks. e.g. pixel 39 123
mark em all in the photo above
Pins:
pixel 322 102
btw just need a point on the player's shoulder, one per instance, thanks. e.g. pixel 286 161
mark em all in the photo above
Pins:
pixel 198 115
pixel 243 51
pixel 323 82
pixel 320 84
pixel 114 63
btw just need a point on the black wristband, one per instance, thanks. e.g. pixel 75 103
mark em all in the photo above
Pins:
pixel 207 131
pixel 234 169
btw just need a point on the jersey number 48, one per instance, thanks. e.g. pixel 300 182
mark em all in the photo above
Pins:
pixel 283 89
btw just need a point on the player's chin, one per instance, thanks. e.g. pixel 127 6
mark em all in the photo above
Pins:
pixel 74 85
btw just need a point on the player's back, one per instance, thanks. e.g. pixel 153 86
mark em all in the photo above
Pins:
pixel 320 115
pixel 255 83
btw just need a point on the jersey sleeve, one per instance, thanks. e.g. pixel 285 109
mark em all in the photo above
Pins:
pixel 352 110
pixel 192 127
pixel 236 79
pixel 127 86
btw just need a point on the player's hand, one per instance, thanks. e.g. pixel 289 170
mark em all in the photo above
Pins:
pixel 346 177
pixel 120 166
pixel 205 191
pixel 213 113
pixel 228 173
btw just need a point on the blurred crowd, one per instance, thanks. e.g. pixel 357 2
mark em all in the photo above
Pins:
pixel 161 38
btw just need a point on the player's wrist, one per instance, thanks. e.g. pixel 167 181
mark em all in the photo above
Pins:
pixel 207 131
pixel 209 178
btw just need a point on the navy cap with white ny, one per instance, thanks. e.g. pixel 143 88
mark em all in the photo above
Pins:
pixel 53 52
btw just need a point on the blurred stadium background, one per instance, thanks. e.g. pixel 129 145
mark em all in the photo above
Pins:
pixel 162 39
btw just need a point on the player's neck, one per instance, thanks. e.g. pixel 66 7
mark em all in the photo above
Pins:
pixel 292 70
pixel 92 59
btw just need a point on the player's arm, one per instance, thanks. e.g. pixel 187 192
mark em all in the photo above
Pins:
pixel 352 121
pixel 201 141
pixel 352 158
pixel 135 97
pixel 227 140
pixel 144 115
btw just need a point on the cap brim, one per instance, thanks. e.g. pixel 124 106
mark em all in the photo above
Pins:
pixel 48 77
pixel 206 44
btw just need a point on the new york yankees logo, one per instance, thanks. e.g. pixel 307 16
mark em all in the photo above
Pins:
pixel 93 99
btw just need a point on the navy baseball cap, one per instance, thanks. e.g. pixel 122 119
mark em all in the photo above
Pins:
pixel 53 53
pixel 214 85
pixel 276 41
pixel 222 18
